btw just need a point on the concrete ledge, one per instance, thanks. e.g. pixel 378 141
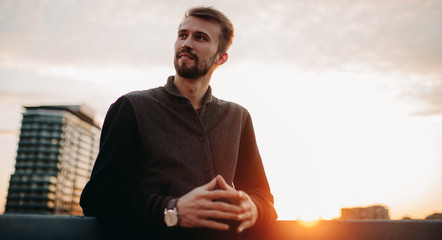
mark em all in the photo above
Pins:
pixel 36 227
pixel 17 227
pixel 358 230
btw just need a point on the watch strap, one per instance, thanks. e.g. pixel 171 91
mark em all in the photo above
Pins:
pixel 172 203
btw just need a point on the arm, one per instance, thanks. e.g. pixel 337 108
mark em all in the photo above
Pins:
pixel 113 193
pixel 250 177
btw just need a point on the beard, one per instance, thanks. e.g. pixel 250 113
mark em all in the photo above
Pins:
pixel 195 71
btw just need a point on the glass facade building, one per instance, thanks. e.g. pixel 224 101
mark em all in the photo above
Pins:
pixel 57 148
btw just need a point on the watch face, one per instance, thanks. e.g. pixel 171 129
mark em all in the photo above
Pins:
pixel 171 218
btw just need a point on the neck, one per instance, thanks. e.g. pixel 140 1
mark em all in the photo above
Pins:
pixel 193 89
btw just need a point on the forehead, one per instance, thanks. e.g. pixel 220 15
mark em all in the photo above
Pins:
pixel 195 24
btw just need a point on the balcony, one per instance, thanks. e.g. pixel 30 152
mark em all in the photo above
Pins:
pixel 16 226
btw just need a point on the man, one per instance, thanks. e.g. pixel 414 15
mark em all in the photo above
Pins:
pixel 175 162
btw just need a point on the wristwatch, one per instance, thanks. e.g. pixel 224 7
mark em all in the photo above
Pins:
pixel 171 216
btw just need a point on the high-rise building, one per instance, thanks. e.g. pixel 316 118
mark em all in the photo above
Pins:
pixel 56 151
pixel 371 212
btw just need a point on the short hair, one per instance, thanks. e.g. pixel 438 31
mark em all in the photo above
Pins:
pixel 214 15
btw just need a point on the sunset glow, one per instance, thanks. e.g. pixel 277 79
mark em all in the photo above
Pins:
pixel 309 223
pixel 345 96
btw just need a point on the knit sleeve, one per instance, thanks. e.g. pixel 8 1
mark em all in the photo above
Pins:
pixel 113 193
pixel 251 178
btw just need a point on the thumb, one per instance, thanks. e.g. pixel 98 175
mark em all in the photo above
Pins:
pixel 210 185
pixel 222 183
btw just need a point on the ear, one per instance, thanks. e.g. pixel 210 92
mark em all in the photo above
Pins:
pixel 222 58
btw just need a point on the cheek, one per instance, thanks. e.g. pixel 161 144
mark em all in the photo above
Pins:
pixel 177 46
pixel 209 51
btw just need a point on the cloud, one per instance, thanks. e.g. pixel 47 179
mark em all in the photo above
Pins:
pixel 403 35
pixel 397 39
pixel 83 32
pixel 393 37
pixel 400 35
pixel 428 97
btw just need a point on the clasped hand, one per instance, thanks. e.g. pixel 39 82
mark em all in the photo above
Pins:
pixel 201 207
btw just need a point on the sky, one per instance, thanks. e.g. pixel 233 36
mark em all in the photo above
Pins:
pixel 345 96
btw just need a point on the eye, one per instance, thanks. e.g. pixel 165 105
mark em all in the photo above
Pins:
pixel 201 38
pixel 182 36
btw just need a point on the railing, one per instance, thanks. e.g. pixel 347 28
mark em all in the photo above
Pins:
pixel 17 227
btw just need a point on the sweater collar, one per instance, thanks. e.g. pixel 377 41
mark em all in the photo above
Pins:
pixel 173 90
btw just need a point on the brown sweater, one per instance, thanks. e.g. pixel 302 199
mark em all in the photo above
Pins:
pixel 154 146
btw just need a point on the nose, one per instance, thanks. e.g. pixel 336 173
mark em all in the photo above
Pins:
pixel 187 43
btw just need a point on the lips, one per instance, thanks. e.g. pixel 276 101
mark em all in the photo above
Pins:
pixel 185 55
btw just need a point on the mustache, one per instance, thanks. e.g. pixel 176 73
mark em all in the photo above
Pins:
pixel 185 50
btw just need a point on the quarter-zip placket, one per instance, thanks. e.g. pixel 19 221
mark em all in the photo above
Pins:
pixel 208 167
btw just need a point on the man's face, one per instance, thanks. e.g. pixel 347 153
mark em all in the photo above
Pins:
pixel 196 47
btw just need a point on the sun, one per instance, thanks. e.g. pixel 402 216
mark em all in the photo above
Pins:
pixel 309 224
pixel 308 217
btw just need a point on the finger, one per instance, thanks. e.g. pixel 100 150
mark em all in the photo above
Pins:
pixel 218 205
pixel 245 202
pixel 244 225
pixel 210 185
pixel 219 194
pixel 245 216
pixel 214 225
pixel 245 205
pixel 222 183
pixel 214 214
pixel 242 195
pixel 225 207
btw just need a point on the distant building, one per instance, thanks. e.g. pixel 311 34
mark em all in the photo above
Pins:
pixel 371 212
pixel 56 151
pixel 435 216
